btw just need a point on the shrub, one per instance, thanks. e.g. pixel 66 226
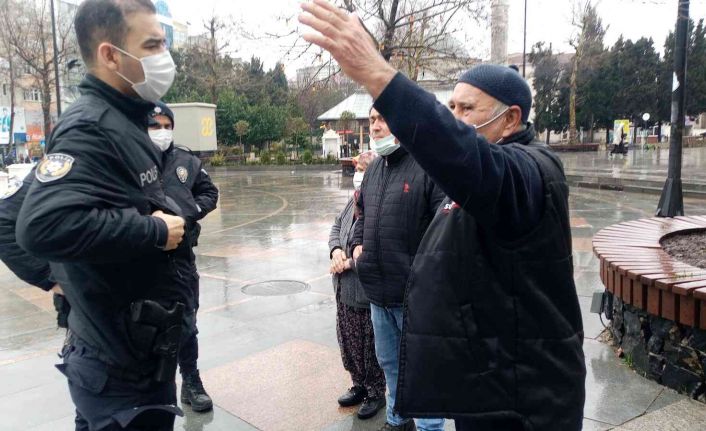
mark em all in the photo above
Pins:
pixel 281 158
pixel 218 159
pixel 265 158
pixel 307 157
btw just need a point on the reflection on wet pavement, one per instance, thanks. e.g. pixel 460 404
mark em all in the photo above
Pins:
pixel 270 360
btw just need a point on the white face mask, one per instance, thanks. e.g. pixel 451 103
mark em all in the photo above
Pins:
pixel 384 146
pixel 162 138
pixel 358 179
pixel 159 71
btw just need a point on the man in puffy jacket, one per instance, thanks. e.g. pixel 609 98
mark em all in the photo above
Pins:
pixel 493 332
pixel 397 200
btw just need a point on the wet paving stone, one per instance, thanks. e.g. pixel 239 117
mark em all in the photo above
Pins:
pixel 279 345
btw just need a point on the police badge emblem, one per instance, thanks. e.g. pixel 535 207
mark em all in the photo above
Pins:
pixel 13 186
pixel 182 174
pixel 53 167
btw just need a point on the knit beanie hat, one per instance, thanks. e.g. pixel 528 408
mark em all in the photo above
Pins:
pixel 502 83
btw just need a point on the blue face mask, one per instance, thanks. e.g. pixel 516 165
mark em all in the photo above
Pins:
pixel 384 146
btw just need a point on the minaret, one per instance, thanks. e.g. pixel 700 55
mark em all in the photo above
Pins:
pixel 498 31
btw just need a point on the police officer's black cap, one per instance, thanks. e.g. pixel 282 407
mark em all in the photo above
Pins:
pixel 161 108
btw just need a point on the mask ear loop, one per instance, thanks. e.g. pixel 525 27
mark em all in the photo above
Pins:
pixel 131 56
pixel 492 119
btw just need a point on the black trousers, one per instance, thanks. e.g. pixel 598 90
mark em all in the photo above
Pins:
pixel 106 403
pixel 189 349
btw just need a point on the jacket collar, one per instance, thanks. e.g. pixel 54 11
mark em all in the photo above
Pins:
pixel 133 108
pixel 166 154
pixel 523 137
pixel 395 157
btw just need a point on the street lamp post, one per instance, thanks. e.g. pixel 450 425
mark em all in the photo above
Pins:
pixel 671 203
pixel 645 119
pixel 524 42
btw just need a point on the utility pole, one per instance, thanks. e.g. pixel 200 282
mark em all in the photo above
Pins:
pixel 671 203
pixel 524 43
pixel 56 62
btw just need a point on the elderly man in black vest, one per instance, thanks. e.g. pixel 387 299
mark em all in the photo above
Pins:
pixel 492 326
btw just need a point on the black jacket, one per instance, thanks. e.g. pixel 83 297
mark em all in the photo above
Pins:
pixel 26 267
pixel 91 219
pixel 187 182
pixel 492 324
pixel 397 201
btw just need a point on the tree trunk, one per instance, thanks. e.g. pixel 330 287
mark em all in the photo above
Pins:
pixel 572 102
pixel 634 132
pixel 46 105
pixel 46 84
pixel 11 141
pixel 590 131
pixel 390 26
pixel 214 62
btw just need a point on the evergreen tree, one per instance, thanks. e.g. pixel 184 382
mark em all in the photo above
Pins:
pixel 547 75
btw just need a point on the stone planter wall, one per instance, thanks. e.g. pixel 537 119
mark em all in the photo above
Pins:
pixel 660 349
pixel 658 304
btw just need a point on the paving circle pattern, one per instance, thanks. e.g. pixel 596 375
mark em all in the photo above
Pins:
pixel 275 288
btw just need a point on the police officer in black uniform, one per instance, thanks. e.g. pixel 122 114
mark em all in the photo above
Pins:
pixel 188 183
pixel 97 211
pixel 26 267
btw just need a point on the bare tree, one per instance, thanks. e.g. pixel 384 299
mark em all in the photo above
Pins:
pixel 204 64
pixel 419 35
pixel 28 28
pixel 416 36
pixel 214 26
pixel 8 71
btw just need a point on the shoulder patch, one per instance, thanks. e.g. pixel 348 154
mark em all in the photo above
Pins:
pixel 13 186
pixel 204 171
pixel 53 167
pixel 182 174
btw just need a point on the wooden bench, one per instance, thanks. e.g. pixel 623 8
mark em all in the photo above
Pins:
pixel 636 269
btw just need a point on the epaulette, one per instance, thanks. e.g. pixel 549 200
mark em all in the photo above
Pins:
pixel 183 148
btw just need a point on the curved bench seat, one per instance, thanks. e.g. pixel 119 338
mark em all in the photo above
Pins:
pixel 636 269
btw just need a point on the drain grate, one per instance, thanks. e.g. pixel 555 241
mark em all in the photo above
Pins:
pixel 275 288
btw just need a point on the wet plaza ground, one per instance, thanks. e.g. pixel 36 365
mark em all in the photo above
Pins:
pixel 268 354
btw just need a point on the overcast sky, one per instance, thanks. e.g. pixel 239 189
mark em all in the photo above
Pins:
pixel 547 20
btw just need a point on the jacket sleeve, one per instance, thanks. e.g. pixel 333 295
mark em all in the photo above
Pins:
pixel 74 216
pixel 334 238
pixel 205 192
pixel 28 268
pixel 357 238
pixel 436 195
pixel 498 184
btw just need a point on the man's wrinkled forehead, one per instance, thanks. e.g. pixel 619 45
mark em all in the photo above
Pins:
pixel 468 94
pixel 144 30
